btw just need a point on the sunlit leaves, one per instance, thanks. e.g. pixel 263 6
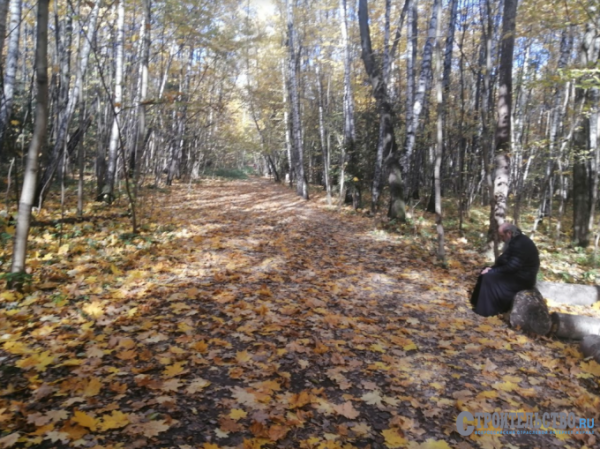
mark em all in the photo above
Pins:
pixel 314 339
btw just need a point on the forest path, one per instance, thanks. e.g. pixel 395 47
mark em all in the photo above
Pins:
pixel 254 319
pixel 368 343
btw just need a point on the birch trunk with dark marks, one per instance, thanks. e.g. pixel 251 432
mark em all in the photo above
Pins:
pixel 423 84
pixel 439 145
pixel 348 156
pixel 411 61
pixel 68 109
pixel 179 122
pixel 286 122
pixel 140 131
pixel 107 190
pixel 37 140
pixel 3 16
pixel 389 150
pixel 583 174
pixel 10 71
pixel 503 127
pixel 322 140
pixel 556 121
pixel 297 146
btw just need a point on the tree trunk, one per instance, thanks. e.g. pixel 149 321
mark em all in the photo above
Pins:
pixel 10 71
pixel 37 141
pixel 503 127
pixel 287 124
pixel 297 146
pixel 389 152
pixel 530 312
pixel 583 171
pixel 140 136
pixel 411 62
pixel 115 133
pixel 3 15
pixel 575 327
pixel 322 133
pixel 348 157
pixel 66 114
pixel 556 121
pixel 439 145
pixel 422 88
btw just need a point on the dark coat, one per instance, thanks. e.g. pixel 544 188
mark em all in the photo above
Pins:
pixel 515 270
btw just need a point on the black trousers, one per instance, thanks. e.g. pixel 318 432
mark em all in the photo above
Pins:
pixel 494 293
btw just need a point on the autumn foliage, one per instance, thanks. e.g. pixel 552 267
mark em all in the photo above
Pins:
pixel 244 317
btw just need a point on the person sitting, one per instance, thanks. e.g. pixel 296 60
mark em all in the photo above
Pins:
pixel 514 270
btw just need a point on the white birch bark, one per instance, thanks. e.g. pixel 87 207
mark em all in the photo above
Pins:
pixel 420 92
pixel 74 98
pixel 301 184
pixel 143 87
pixel 3 15
pixel 114 143
pixel 439 145
pixel 503 127
pixel 10 69
pixel 348 102
pixel 37 141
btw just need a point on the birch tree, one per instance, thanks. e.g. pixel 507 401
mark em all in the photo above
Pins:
pixel 296 133
pixel 107 190
pixel 387 148
pixel 503 127
pixel 349 141
pixel 68 107
pixel 422 87
pixel 37 141
pixel 585 137
pixel 10 70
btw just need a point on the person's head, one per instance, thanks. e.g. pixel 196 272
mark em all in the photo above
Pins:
pixel 507 231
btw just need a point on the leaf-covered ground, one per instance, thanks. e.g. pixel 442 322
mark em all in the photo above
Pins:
pixel 245 317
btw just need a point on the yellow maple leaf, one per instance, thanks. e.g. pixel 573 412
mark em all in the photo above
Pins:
pixel 300 399
pixel 393 439
pixel 115 420
pixel 434 444
pixel 174 370
pixel 197 385
pixel 487 394
pixel 38 361
pixel 127 355
pixel 200 346
pixel 153 428
pixel 591 367
pixel 243 356
pixel 505 386
pixel 209 446
pixel 84 420
pixel 409 347
pixel 16 347
pixel 185 327
pixel 93 387
pixel 237 413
